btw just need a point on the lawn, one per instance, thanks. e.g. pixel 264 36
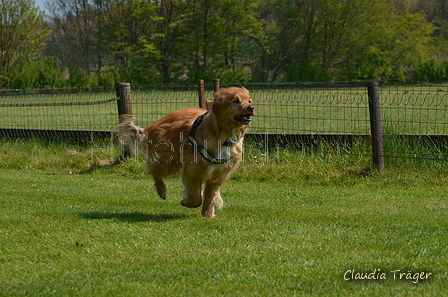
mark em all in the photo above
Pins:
pixel 71 225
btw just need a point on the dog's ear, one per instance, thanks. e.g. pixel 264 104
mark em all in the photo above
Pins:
pixel 208 104
pixel 221 93
pixel 245 90
pixel 219 98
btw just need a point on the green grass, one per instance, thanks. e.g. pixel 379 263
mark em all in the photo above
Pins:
pixel 71 225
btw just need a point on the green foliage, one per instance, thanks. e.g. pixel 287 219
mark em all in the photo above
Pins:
pixel 351 42
pixel 109 76
pixel 304 73
pixel 253 41
pixel 79 77
pixel 430 69
pixel 45 72
pixel 136 74
pixel 22 36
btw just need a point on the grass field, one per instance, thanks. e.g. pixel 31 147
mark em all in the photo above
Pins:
pixel 405 110
pixel 71 225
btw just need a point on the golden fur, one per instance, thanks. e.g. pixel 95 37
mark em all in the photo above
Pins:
pixel 166 145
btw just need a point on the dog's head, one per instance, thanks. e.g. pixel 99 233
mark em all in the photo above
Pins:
pixel 235 105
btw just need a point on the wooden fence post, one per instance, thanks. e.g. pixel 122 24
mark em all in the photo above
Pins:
pixel 376 125
pixel 216 85
pixel 124 105
pixel 201 93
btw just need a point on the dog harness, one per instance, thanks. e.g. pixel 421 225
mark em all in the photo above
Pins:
pixel 201 149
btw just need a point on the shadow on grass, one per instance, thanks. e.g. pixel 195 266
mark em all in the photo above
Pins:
pixel 132 216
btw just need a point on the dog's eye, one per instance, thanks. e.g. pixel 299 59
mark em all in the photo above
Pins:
pixel 236 101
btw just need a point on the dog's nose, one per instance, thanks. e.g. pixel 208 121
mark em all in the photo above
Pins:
pixel 251 108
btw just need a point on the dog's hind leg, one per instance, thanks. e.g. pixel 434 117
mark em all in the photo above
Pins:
pixel 158 173
pixel 160 187
pixel 160 166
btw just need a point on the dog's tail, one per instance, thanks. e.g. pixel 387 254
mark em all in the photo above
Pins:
pixel 130 134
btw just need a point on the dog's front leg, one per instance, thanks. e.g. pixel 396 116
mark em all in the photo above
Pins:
pixel 211 197
pixel 192 191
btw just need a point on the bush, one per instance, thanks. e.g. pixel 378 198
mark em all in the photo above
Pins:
pixel 81 78
pixel 308 73
pixel 45 72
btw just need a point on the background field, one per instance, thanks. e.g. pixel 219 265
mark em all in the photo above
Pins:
pixel 71 225
pixel 405 110
pixel 414 118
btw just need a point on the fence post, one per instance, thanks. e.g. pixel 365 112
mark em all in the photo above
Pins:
pixel 124 105
pixel 201 93
pixel 216 85
pixel 376 124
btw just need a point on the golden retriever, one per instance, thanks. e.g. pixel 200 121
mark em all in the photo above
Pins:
pixel 206 145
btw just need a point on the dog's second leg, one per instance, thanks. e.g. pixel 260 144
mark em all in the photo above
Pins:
pixel 212 197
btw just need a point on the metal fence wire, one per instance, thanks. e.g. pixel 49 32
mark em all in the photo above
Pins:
pixel 59 115
pixel 415 123
pixel 311 111
pixel 325 118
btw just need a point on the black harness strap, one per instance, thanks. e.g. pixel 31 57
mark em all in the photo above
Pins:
pixel 201 149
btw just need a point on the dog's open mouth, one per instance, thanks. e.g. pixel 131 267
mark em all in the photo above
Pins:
pixel 245 119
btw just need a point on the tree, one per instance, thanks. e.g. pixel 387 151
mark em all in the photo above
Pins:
pixel 405 41
pixel 76 25
pixel 129 35
pixel 214 34
pixel 22 35
pixel 151 41
pixel 343 40
pixel 290 37
pixel 171 18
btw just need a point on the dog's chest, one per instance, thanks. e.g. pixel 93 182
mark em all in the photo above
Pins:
pixel 216 171
pixel 224 152
pixel 228 149
pixel 222 171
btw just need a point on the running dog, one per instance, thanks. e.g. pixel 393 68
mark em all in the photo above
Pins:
pixel 206 145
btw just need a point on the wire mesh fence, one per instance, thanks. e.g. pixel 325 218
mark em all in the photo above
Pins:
pixel 151 102
pixel 73 115
pixel 312 111
pixel 88 111
pixel 415 110
pixel 415 122
pixel 331 119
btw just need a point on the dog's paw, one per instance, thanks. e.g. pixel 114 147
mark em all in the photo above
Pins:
pixel 160 188
pixel 210 213
pixel 162 195
pixel 190 204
